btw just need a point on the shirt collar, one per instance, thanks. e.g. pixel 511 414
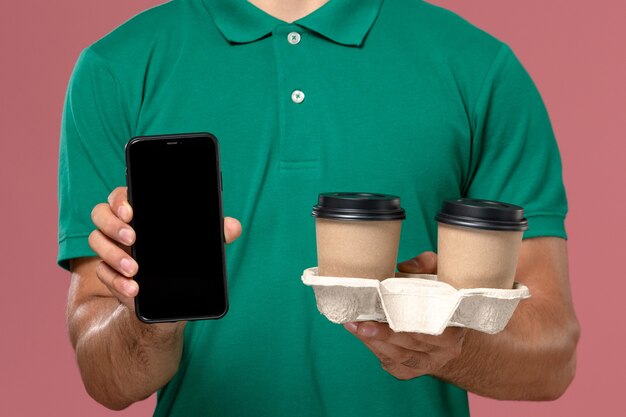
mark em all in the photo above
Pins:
pixel 346 22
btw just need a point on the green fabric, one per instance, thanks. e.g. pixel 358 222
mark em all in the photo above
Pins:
pixel 401 97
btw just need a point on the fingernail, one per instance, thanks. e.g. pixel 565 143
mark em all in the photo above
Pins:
pixel 123 212
pixel 126 236
pixel 351 327
pixel 127 265
pixel 368 330
pixel 130 287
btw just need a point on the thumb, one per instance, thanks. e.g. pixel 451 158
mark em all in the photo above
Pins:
pixel 232 229
pixel 424 263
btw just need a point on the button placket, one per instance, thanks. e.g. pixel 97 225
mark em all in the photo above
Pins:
pixel 299 134
pixel 294 38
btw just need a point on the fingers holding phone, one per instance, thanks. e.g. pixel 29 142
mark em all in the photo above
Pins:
pixel 111 242
pixel 181 276
pixel 123 288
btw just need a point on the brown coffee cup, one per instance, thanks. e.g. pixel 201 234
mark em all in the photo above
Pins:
pixel 479 243
pixel 358 234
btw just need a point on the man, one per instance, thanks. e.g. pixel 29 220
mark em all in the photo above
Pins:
pixel 397 97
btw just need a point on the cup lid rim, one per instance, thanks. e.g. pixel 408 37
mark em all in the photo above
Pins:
pixel 358 206
pixel 482 214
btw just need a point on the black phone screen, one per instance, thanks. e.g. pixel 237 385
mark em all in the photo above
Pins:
pixel 174 186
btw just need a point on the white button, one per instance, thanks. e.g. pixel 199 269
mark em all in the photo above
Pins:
pixel 297 96
pixel 293 38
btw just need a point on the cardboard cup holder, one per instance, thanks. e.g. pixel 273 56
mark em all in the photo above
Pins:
pixel 414 303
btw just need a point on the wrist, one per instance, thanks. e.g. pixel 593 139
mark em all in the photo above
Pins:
pixel 161 336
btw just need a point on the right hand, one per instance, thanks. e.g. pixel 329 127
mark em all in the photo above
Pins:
pixel 112 239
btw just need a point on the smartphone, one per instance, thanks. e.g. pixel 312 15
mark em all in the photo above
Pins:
pixel 175 190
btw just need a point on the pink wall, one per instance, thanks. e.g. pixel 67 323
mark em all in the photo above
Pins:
pixel 575 52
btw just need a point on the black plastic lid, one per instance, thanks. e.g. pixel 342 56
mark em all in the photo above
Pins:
pixel 358 206
pixel 482 214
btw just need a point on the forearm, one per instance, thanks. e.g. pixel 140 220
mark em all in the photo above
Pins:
pixel 534 358
pixel 122 360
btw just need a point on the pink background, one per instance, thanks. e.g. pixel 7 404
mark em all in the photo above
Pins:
pixel 575 51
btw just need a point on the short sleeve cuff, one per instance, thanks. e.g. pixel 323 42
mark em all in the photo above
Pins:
pixel 546 225
pixel 73 247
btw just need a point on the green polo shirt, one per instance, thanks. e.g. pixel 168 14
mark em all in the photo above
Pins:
pixel 396 97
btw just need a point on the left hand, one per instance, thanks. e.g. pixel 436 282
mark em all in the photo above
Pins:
pixel 409 355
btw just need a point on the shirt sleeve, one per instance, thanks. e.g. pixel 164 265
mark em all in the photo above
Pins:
pixel 94 131
pixel 515 157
